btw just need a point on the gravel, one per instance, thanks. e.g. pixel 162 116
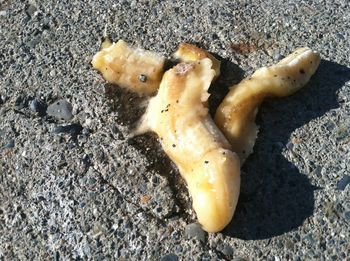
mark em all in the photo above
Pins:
pixel 38 107
pixel 73 129
pixel 10 144
pixel 61 109
pixel 170 257
pixel 195 230
pixel 76 184
pixel 343 182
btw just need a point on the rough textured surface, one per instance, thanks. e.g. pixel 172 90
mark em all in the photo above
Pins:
pixel 90 190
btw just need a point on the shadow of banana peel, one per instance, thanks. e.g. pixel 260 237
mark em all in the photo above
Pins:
pixel 275 197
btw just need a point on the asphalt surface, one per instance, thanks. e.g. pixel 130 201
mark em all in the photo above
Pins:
pixel 75 185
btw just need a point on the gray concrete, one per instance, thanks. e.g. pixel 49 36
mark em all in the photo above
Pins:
pixel 83 188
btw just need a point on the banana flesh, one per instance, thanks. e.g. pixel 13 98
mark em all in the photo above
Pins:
pixel 190 53
pixel 235 116
pixel 193 142
pixel 137 70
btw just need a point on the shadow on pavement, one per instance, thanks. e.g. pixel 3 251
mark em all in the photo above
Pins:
pixel 275 197
pixel 230 74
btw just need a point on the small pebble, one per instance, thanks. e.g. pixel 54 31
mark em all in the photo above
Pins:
pixel 10 144
pixel 52 73
pixel 226 249
pixel 3 98
pixel 73 129
pixel 21 102
pixel 33 42
pixel 343 182
pixel 239 259
pixel 178 249
pixel 340 36
pixel 342 133
pixel 170 257
pixel 38 106
pixel 190 20
pixel 347 215
pixel 31 9
pixel 195 230
pixel 276 54
pixel 290 145
pixel 310 239
pixel 61 109
pixel 317 171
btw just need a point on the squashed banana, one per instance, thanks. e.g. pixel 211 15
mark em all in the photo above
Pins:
pixel 191 139
pixel 235 116
pixel 191 53
pixel 135 69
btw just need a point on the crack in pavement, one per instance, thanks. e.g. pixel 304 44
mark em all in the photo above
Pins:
pixel 139 208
